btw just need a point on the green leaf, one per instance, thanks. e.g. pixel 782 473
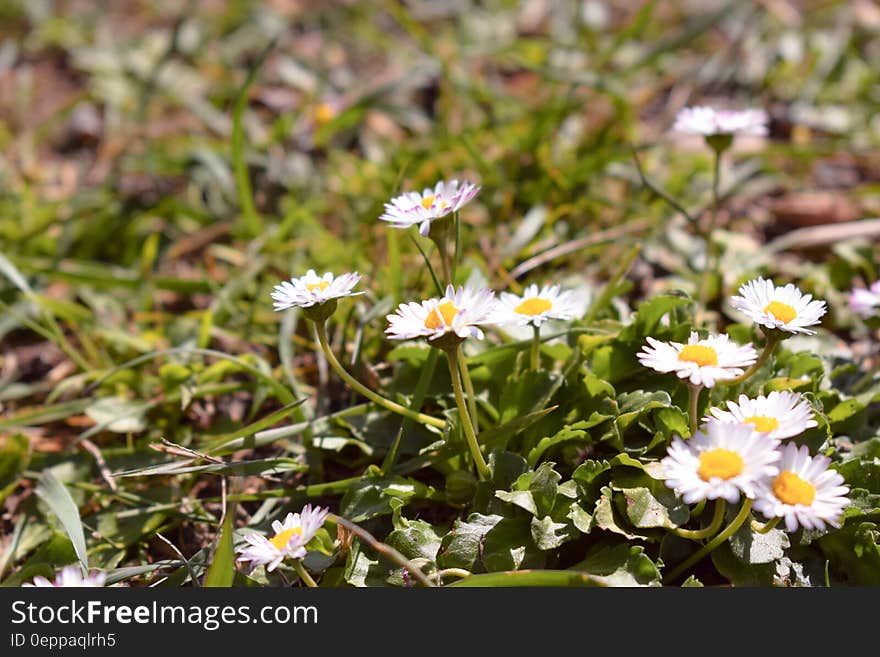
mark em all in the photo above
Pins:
pixel 527 393
pixel 521 498
pixel 498 437
pixel 321 542
pixel 416 353
pixel 259 467
pixel 634 405
pixel 361 570
pixel 620 565
pixel 671 422
pixel 569 433
pixel 413 538
pixel 373 496
pixel 259 425
pixel 127 531
pixel 624 459
pixel 461 547
pixel 54 551
pixel 753 548
pixel 802 364
pixel 121 574
pixel 787 383
pixel 649 314
pixel 653 508
pixel 864 505
pixel 739 573
pixel 854 552
pixel 616 361
pixel 847 417
pixel 581 520
pixel 869 449
pixel 490 542
pixel 604 517
pixel 543 486
pixel 590 476
pixel 861 473
pixel 15 454
pixel 221 572
pixel 56 495
pixel 534 491
pixel 529 578
pixel 118 415
pixel 645 501
pixel 506 468
pixel 548 534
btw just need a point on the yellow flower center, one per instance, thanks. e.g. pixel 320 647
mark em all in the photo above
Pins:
pixel 282 538
pixel 428 201
pixel 763 423
pixel 721 463
pixel 699 354
pixel 324 113
pixel 441 316
pixel 791 489
pixel 323 285
pixel 533 306
pixel 781 311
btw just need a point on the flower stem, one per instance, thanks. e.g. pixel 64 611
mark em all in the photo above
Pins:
pixel 729 531
pixel 468 389
pixel 303 573
pixel 772 341
pixel 693 406
pixel 698 509
pixel 767 526
pixel 711 250
pixel 444 263
pixel 461 573
pixel 479 461
pixel 321 331
pixel 456 254
pixel 442 230
pixel 714 526
pixel 535 359
pixel 382 548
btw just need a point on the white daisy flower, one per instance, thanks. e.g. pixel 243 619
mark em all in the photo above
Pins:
pixel 719 460
pixel 310 290
pixel 865 302
pixel 460 312
pixel 70 577
pixel 535 306
pixel 414 208
pixel 701 361
pixel 804 492
pixel 781 414
pixel 707 121
pixel 289 541
pixel 778 307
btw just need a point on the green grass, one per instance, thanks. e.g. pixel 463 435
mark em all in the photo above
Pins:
pixel 160 172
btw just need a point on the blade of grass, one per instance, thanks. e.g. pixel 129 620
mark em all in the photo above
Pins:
pixel 283 394
pixel 261 424
pixel 440 289
pixel 189 567
pixel 221 572
pixel 16 278
pixel 56 495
